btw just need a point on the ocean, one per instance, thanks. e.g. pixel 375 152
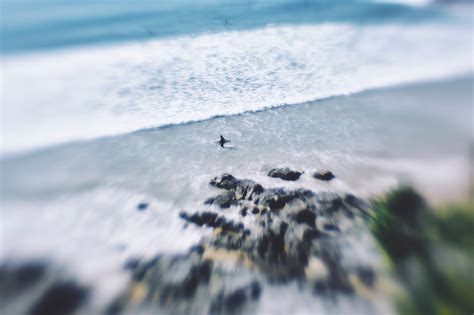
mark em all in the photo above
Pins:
pixel 109 104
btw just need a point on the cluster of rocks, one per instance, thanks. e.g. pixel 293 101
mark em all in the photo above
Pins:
pixel 34 288
pixel 291 175
pixel 253 237
pixel 259 236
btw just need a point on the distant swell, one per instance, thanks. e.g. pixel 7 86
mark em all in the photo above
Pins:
pixel 84 93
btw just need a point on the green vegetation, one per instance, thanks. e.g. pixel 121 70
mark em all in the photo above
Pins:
pixel 431 251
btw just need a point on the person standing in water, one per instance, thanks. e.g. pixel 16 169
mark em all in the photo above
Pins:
pixel 222 141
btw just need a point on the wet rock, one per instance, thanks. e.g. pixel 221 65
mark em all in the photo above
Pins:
pixel 366 275
pixel 14 279
pixel 225 200
pixel 306 216
pixel 244 189
pixel 325 176
pixel 226 181
pixel 131 263
pixel 203 218
pixel 285 174
pixel 209 201
pixel 269 235
pixel 330 227
pixel 311 234
pixel 181 284
pixel 232 301
pixel 213 220
pixel 61 298
pixel 276 199
pixel 142 206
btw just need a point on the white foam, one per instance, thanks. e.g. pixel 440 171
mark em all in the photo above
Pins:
pixel 59 96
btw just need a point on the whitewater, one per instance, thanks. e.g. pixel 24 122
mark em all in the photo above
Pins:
pixel 57 96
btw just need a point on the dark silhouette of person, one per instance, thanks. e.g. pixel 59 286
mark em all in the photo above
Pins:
pixel 222 141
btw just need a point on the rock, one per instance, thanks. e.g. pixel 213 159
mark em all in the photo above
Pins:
pixel 306 216
pixel 204 218
pixel 226 181
pixel 61 298
pixel 270 235
pixel 326 176
pixel 366 275
pixel 142 206
pixel 181 284
pixel 15 278
pixel 39 287
pixel 131 263
pixel 224 200
pixel 234 300
pixel 245 189
pixel 285 174
pixel 213 220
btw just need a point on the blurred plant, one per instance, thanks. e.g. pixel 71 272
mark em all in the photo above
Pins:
pixel 431 251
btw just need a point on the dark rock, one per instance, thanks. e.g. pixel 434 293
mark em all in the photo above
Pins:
pixel 330 227
pixel 306 216
pixel 235 299
pixel 326 176
pixel 180 284
pixel 199 249
pixel 225 200
pixel 209 201
pixel 245 188
pixel 142 206
pixel 131 263
pixel 366 275
pixel 255 290
pixel 19 278
pixel 311 234
pixel 280 242
pixel 276 199
pixel 226 181
pixel 16 278
pixel 285 174
pixel 60 299
pixel 213 220
pixel 204 218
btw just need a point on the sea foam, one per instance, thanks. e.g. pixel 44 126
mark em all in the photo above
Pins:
pixel 71 94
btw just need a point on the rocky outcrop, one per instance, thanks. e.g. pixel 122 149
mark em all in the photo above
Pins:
pixel 202 281
pixel 325 176
pixel 33 288
pixel 285 174
pixel 259 237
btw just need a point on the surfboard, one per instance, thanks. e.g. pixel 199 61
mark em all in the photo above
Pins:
pixel 219 141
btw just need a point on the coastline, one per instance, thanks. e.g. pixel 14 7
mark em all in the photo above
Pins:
pixel 372 141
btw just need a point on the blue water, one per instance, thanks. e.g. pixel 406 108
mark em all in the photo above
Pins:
pixel 38 25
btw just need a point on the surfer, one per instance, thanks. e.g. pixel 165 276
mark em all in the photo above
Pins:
pixel 222 141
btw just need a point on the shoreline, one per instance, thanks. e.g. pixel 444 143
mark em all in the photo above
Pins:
pixel 452 79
